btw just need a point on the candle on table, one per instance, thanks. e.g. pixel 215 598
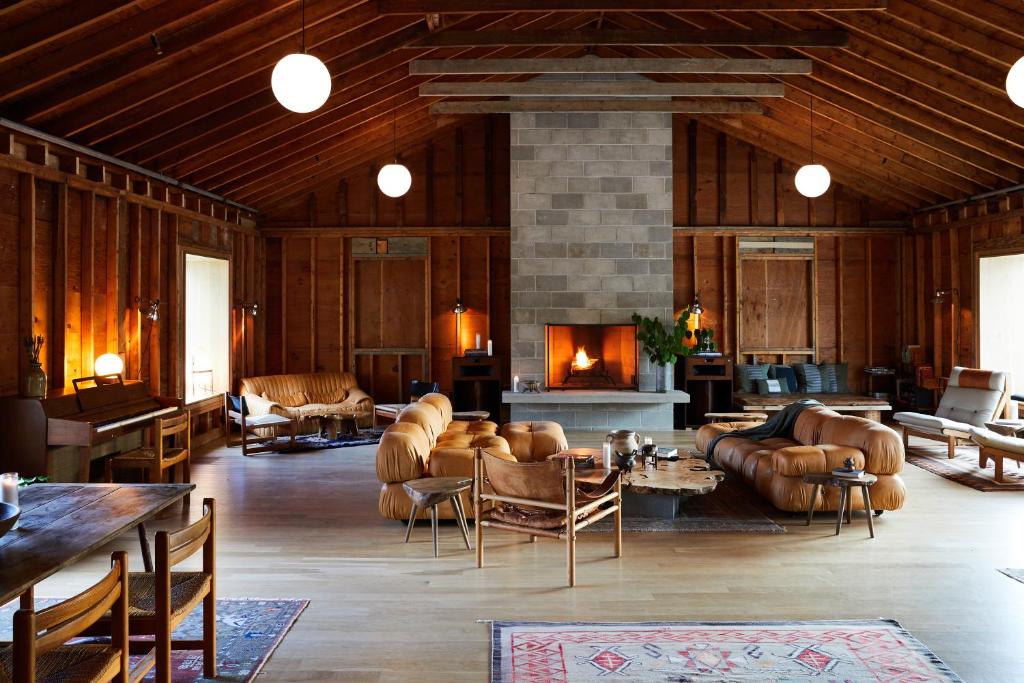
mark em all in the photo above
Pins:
pixel 9 488
pixel 648 441
pixel 477 342
pixel 606 455
pixel 515 384
pixel 490 348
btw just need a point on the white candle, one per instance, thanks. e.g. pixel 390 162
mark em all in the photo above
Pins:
pixel 606 455
pixel 477 342
pixel 515 384
pixel 490 348
pixel 648 441
pixel 9 487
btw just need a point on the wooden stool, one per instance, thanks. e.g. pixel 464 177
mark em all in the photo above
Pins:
pixel 735 417
pixel 431 492
pixel 844 484
pixel 470 415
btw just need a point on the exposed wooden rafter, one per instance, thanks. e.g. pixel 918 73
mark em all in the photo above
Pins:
pixel 476 6
pixel 442 67
pixel 618 104
pixel 719 37
pixel 602 89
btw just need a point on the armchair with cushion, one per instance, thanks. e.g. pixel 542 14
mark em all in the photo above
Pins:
pixel 972 398
pixel 303 397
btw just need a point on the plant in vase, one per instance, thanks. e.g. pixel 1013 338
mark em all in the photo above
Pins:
pixel 35 378
pixel 663 344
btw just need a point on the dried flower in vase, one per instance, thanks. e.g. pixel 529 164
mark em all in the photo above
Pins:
pixel 33 345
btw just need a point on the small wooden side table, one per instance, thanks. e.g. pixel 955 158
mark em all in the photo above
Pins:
pixel 470 415
pixel 844 485
pixel 431 492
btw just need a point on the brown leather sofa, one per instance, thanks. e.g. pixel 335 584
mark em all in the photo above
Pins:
pixel 822 439
pixel 301 397
pixel 426 442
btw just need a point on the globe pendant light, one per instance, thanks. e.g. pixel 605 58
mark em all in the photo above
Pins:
pixel 300 81
pixel 813 179
pixel 1015 83
pixel 394 180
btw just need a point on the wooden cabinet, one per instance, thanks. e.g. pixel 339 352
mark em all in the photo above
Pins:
pixel 476 384
pixel 708 381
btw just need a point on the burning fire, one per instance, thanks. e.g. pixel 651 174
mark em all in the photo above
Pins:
pixel 582 360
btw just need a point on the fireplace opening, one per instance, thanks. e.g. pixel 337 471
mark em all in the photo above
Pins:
pixel 590 357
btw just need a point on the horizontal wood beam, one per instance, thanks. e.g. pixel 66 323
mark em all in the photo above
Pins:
pixel 598 65
pixel 619 104
pixel 764 231
pixel 475 6
pixel 604 89
pixel 718 38
pixel 279 230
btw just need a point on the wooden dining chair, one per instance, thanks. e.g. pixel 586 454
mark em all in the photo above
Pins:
pixel 159 601
pixel 40 652
pixel 172 448
pixel 543 499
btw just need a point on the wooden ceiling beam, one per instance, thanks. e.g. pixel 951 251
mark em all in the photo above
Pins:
pixel 983 44
pixel 476 6
pixel 620 104
pixel 280 130
pixel 263 41
pixel 607 89
pixel 41 64
pixel 987 16
pixel 452 38
pixel 61 22
pixel 156 135
pixel 588 65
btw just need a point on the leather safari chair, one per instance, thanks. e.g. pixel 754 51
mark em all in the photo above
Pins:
pixel 822 439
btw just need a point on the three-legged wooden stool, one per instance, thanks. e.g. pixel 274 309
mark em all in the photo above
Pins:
pixel 844 485
pixel 431 492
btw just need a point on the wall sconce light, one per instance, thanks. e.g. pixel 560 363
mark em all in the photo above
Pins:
pixel 458 309
pixel 942 296
pixel 150 309
pixel 250 307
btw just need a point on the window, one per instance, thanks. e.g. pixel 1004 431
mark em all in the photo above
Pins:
pixel 1001 327
pixel 207 327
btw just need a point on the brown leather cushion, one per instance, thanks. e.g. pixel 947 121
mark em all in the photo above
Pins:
pixel 534 441
pixel 402 453
pixel 292 400
pixel 709 431
pixel 393 503
pixel 441 402
pixel 328 396
pixel 536 518
pixel 426 416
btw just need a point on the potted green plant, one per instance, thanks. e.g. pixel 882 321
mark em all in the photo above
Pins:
pixel 663 344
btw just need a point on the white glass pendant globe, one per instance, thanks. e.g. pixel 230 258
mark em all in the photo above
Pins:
pixel 301 83
pixel 1015 83
pixel 109 364
pixel 812 180
pixel 394 180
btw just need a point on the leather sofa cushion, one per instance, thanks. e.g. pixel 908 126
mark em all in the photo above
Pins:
pixel 534 441
pixel 709 431
pixel 807 429
pixel 393 503
pixel 441 402
pixel 292 400
pixel 882 447
pixel 458 462
pixel 328 396
pixel 402 453
pixel 426 417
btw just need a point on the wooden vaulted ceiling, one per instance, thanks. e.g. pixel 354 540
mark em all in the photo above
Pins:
pixel 912 112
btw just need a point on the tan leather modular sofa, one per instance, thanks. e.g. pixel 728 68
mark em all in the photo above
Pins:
pixel 426 442
pixel 302 397
pixel 822 439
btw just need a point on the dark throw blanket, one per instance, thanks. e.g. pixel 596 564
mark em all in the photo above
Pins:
pixel 779 424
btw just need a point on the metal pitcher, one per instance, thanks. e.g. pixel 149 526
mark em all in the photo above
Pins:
pixel 624 441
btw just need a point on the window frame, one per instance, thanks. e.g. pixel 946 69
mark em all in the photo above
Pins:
pixel 213 253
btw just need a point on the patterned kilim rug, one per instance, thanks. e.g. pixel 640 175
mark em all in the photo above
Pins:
pixel 248 632
pixel 314 442
pixel 712 652
pixel 963 469
pixel 730 508
pixel 1015 574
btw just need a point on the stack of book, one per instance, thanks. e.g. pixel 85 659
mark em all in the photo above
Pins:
pixel 848 473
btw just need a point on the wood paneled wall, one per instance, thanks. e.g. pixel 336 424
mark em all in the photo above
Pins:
pixel 76 254
pixel 839 305
pixel 942 253
pixel 328 307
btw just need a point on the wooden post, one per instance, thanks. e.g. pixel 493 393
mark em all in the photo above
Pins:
pixel 26 264
pixel 57 345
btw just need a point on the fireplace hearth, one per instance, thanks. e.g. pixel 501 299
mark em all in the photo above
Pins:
pixel 590 357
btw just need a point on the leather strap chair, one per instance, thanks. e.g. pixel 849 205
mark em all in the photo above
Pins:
pixel 542 499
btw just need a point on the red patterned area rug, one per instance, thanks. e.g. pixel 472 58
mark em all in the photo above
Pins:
pixel 712 652
pixel 963 469
pixel 248 632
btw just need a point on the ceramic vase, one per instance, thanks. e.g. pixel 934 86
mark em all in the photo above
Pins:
pixel 35 381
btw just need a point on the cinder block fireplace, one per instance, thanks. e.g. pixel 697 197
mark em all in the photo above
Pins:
pixel 591 356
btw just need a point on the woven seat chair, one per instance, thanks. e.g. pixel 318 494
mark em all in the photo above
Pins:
pixel 156 459
pixel 543 500
pixel 39 652
pixel 159 601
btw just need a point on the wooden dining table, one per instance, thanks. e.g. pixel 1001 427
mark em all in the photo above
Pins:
pixel 62 523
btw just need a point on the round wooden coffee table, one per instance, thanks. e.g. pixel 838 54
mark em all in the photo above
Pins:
pixel 844 484
pixel 431 492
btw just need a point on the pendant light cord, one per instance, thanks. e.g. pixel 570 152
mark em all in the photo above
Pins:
pixel 394 132
pixel 812 129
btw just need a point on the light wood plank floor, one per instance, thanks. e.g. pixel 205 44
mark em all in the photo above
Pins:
pixel 305 525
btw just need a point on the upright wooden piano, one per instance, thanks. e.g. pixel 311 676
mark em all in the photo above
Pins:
pixel 59 436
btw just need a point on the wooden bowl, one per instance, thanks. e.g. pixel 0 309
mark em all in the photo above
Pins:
pixel 8 517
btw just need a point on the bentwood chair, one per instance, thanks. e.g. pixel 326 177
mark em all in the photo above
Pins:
pixel 172 448
pixel 40 653
pixel 543 499
pixel 159 601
